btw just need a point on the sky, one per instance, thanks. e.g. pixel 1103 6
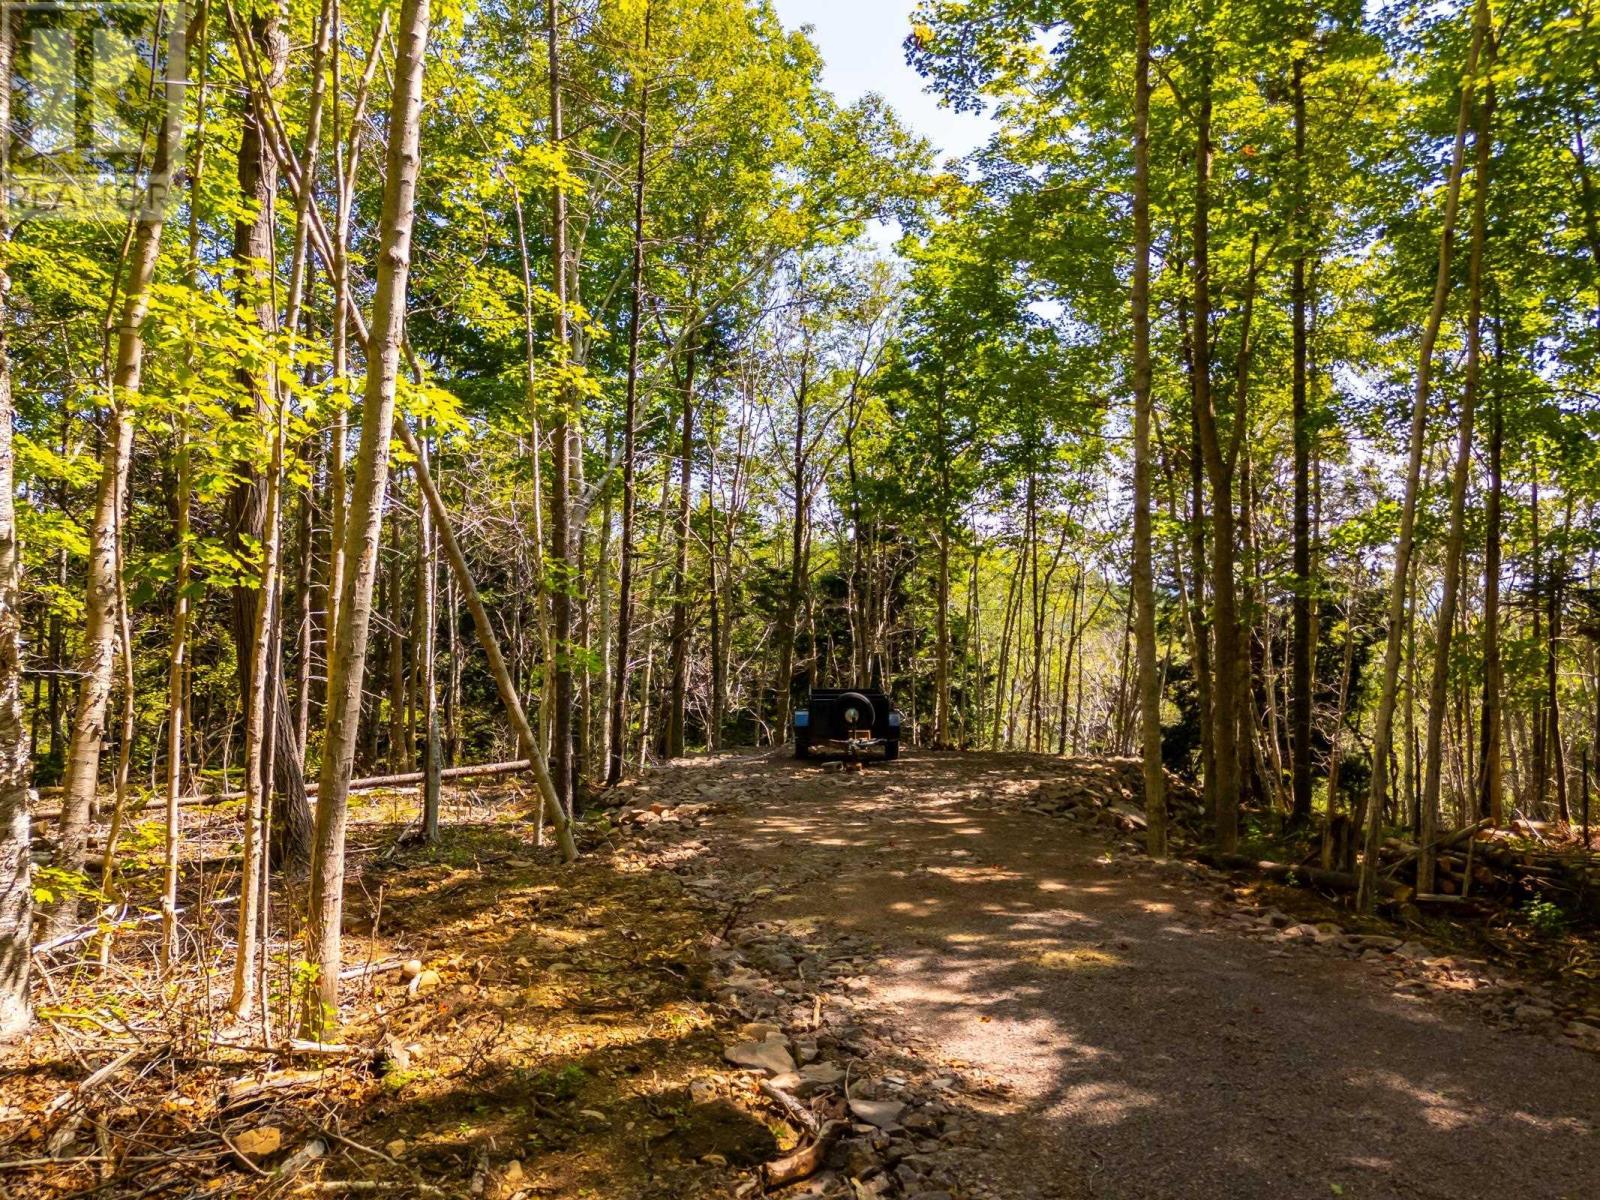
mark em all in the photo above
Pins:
pixel 861 43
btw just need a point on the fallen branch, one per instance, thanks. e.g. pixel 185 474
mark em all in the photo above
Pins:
pixel 88 1085
pixel 802 1115
pixel 355 1145
pixel 71 1160
pixel 84 933
pixel 320 1049
pixel 485 771
pixel 244 1091
pixel 301 1159
pixel 803 1163
pixel 321 1187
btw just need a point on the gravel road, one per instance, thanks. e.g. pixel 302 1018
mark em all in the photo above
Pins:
pixel 1135 1043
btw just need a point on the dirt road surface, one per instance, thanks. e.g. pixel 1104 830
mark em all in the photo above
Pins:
pixel 1127 1039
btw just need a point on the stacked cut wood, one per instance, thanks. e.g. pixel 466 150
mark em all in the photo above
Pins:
pixel 1478 869
pixel 1482 868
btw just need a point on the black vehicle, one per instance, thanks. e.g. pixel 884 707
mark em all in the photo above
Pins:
pixel 849 720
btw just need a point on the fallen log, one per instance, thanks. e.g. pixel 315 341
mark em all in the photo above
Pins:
pixel 1459 838
pixel 1461 905
pixel 412 777
pixel 1336 881
pixel 487 770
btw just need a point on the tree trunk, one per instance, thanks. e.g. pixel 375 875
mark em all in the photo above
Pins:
pixel 347 148
pixel 1337 851
pixel 621 672
pixel 646 695
pixel 396 636
pixel 1456 541
pixel 794 593
pixel 1003 661
pixel 1301 664
pixel 1383 735
pixel 607 619
pixel 1556 746
pixel 1411 789
pixel 98 659
pixel 257 768
pixel 298 286
pixel 177 712
pixel 1252 766
pixel 941 712
pixel 560 567
pixel 527 739
pixel 1225 670
pixel 1201 627
pixel 178 653
pixel 425 669
pixel 678 656
pixel 347 668
pixel 16 863
pixel 1155 801
pixel 1536 749
pixel 305 587
pixel 268 44
pixel 1036 615
pixel 715 618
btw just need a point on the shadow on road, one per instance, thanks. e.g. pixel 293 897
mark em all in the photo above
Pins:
pixel 1141 1049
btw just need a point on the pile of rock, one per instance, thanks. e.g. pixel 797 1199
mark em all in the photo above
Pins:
pixel 658 812
pixel 1109 792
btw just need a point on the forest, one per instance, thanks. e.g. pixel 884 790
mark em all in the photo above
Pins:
pixel 555 389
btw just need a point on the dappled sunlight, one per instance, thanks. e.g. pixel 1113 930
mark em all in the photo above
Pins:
pixel 1439 1110
pixel 973 874
pixel 1368 1162
pixel 966 939
pixel 1119 1011
pixel 552 1019
pixel 1101 1104
pixel 1075 960
pixel 1112 1010
pixel 916 908
pixel 1556 1125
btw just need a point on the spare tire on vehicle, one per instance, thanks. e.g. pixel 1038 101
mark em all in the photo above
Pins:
pixel 855 712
